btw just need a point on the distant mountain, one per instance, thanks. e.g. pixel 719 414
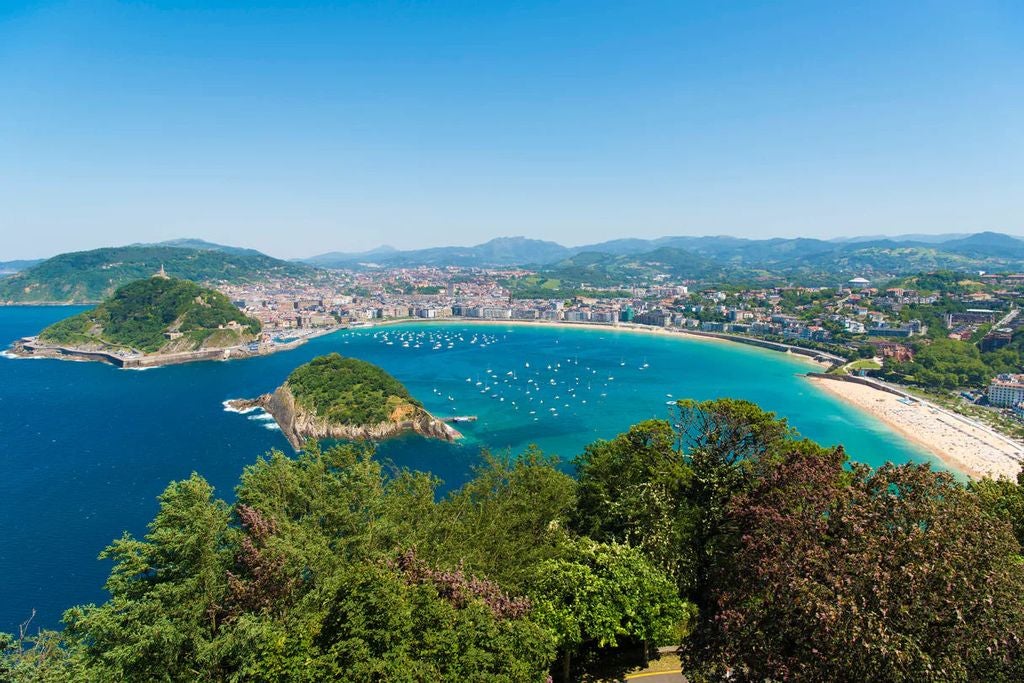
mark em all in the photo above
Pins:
pixel 335 257
pixel 502 251
pixel 8 267
pixel 984 251
pixel 914 237
pixel 90 276
pixel 799 259
pixel 195 243
pixel 986 244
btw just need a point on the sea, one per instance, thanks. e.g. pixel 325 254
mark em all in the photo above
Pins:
pixel 86 448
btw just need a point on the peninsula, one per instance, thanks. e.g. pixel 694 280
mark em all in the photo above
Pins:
pixel 156 321
pixel 334 397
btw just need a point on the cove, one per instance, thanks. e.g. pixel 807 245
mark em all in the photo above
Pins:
pixel 86 448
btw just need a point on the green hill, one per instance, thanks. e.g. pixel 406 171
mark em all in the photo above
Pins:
pixel 348 391
pixel 90 276
pixel 157 315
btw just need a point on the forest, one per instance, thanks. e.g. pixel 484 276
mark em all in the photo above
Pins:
pixel 91 276
pixel 762 555
pixel 347 391
pixel 138 314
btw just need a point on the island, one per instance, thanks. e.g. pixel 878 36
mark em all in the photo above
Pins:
pixel 335 397
pixel 156 321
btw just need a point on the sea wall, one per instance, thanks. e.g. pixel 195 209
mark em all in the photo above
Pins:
pixel 820 356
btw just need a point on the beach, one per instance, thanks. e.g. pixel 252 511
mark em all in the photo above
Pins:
pixel 961 443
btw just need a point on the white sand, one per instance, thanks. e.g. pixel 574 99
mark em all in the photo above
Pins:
pixel 963 444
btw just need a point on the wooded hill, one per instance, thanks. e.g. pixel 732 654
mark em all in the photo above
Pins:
pixel 157 314
pixel 348 391
pixel 91 276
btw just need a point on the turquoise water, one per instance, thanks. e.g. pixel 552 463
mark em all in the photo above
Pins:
pixel 86 448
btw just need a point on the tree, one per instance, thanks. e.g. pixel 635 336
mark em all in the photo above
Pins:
pixel 165 591
pixel 500 524
pixel 633 490
pixel 1004 499
pixel 722 441
pixel 898 574
pixel 603 594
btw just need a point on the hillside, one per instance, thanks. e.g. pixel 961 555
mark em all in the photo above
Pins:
pixel 501 251
pixel 91 276
pixel 156 315
pixel 9 267
pixel 703 257
pixel 333 397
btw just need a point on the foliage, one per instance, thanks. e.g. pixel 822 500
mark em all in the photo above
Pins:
pixel 139 314
pixel 768 557
pixel 348 391
pixel 509 517
pixel 304 579
pixel 897 575
pixel 602 594
pixel 943 363
pixel 89 276
pixel 1004 499
pixel 633 490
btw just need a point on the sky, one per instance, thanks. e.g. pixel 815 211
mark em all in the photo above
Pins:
pixel 306 127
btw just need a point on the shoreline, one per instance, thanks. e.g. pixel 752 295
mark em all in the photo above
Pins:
pixel 812 356
pixel 25 349
pixel 962 444
pixel 942 436
pixel 935 430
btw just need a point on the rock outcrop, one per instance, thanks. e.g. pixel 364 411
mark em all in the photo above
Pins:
pixel 299 424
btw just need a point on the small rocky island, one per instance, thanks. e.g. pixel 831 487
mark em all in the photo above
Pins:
pixel 156 321
pixel 334 397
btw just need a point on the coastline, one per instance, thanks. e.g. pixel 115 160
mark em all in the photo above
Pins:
pixel 812 356
pixel 952 438
pixel 28 348
pixel 960 443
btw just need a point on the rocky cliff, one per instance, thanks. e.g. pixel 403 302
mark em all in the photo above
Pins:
pixel 299 424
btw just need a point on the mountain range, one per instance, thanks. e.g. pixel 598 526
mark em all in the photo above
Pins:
pixel 89 276
pixel 980 251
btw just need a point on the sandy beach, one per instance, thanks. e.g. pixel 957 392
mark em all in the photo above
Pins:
pixel 962 444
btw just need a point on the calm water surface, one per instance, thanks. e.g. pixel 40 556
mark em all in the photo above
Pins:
pixel 86 448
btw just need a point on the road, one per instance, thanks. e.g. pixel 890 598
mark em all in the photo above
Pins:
pixel 658 677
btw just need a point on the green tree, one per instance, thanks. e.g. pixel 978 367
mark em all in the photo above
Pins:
pixel 500 524
pixel 604 594
pixel 633 490
pixel 165 591
pixel 1004 499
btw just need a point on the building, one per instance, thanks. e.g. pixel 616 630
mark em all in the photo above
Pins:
pixel 972 316
pixel 1006 391
pixel 997 339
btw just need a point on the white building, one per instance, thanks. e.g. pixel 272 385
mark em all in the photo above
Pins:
pixel 1006 391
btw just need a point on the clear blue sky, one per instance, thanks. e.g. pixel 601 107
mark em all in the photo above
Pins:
pixel 340 126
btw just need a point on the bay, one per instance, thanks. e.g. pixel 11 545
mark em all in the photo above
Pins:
pixel 86 448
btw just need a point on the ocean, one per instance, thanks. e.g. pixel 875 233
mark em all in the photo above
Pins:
pixel 86 448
